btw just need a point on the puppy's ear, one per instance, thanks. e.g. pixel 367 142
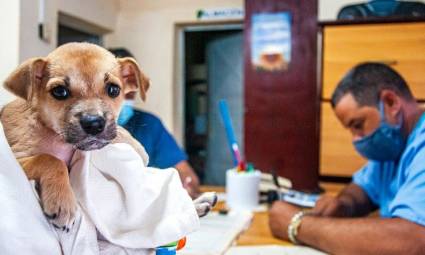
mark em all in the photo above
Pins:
pixel 29 74
pixel 132 77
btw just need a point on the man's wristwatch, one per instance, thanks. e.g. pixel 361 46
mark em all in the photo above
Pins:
pixel 293 226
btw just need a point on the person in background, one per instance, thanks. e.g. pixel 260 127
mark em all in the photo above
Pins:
pixel 388 128
pixel 161 147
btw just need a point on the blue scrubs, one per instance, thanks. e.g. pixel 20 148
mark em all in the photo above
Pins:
pixel 161 147
pixel 398 188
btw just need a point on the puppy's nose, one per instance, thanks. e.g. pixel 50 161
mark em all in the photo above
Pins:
pixel 92 124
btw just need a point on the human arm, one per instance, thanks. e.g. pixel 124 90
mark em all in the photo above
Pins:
pixel 363 235
pixel 351 235
pixel 358 198
pixel 352 201
pixel 189 178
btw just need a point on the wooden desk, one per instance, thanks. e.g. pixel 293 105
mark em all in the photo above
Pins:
pixel 258 233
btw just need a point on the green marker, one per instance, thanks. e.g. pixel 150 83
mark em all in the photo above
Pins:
pixel 250 168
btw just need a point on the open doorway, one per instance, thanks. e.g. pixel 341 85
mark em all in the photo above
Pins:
pixel 211 70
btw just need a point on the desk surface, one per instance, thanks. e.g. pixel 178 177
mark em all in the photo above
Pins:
pixel 259 232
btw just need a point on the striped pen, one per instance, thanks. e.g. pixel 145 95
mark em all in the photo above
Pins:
pixel 233 145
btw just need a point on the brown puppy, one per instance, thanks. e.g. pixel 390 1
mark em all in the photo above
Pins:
pixel 68 100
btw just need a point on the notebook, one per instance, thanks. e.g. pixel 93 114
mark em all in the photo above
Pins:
pixel 272 250
pixel 217 233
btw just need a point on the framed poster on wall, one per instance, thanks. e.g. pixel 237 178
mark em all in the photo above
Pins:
pixel 271 41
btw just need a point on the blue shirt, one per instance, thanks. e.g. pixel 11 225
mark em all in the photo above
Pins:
pixel 398 188
pixel 161 147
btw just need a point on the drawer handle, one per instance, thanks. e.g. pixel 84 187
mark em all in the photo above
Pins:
pixel 386 62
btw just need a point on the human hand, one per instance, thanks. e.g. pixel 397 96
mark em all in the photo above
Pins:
pixel 280 215
pixel 330 206
pixel 189 178
pixel 191 184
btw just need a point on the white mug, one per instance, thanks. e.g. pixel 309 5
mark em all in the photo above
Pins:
pixel 242 189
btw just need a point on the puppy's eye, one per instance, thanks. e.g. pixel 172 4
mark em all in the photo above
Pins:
pixel 60 92
pixel 113 90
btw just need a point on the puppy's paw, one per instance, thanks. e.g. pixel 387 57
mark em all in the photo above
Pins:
pixel 59 205
pixel 205 202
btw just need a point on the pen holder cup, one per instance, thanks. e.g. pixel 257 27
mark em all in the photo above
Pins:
pixel 242 189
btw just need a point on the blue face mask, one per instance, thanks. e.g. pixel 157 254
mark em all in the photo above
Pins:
pixel 386 143
pixel 126 113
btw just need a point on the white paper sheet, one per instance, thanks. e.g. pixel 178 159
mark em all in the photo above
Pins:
pixel 272 250
pixel 217 233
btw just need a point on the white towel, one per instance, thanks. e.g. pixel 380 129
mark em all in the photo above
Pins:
pixel 131 205
pixel 24 229
pixel 124 207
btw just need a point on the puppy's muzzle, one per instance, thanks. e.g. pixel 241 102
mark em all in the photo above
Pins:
pixel 92 124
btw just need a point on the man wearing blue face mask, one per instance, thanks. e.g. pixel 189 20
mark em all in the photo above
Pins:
pixel 388 127
pixel 161 147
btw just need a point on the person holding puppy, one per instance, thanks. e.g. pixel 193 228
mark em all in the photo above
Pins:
pixel 388 127
pixel 161 147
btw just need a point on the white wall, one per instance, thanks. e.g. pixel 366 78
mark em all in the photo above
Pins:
pixel 328 9
pixel 29 43
pixel 9 43
pixel 146 28
pixel 102 13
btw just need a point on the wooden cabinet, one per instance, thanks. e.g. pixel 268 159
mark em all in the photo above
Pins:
pixel 281 111
pixel 400 45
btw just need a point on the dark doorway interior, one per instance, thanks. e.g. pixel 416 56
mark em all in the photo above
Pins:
pixel 67 34
pixel 213 71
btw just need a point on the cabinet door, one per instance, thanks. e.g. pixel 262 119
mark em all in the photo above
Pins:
pixel 402 46
pixel 337 154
